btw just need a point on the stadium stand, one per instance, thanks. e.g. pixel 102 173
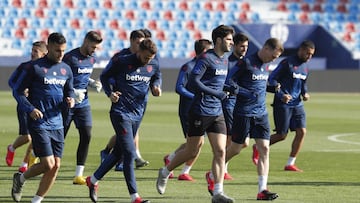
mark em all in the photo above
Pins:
pixel 178 20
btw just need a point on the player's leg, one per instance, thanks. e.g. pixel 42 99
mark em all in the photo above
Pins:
pixel 297 124
pixel 51 164
pixel 139 161
pixel 83 122
pixel 23 138
pixel 260 131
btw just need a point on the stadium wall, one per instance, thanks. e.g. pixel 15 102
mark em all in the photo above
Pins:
pixel 319 80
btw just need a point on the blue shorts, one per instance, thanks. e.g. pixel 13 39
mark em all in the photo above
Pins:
pixel 23 122
pixel 228 109
pixel 198 125
pixel 255 127
pixel 47 142
pixel 81 116
pixel 288 117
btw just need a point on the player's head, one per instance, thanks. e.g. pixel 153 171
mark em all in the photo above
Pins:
pixel 38 50
pixel 56 45
pixel 91 42
pixel 201 46
pixel 147 33
pixel 136 37
pixel 241 44
pixel 222 37
pixel 147 51
pixel 306 50
pixel 271 50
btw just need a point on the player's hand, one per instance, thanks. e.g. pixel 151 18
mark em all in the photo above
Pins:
pixel 286 98
pixel 277 87
pixel 79 95
pixel 36 114
pixel 26 92
pixel 305 97
pixel 114 96
pixel 70 102
pixel 156 91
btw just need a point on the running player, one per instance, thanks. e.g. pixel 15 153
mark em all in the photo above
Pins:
pixel 206 81
pixel 241 44
pixel 248 80
pixel 291 74
pixel 186 98
pixel 81 61
pixel 136 37
pixel 38 50
pixel 50 84
pixel 134 75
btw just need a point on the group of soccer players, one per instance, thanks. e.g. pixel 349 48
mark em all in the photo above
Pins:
pixel 243 110
pixel 221 95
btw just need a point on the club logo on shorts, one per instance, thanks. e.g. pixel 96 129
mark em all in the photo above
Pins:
pixel 197 123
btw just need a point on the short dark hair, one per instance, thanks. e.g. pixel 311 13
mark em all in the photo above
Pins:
pixel 200 45
pixel 274 43
pixel 41 45
pixel 137 34
pixel 56 38
pixel 307 44
pixel 94 36
pixel 240 37
pixel 221 31
pixel 146 32
pixel 148 44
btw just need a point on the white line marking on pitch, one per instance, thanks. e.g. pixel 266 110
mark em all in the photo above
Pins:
pixel 335 138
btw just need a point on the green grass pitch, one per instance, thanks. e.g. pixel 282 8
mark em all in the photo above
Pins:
pixel 329 157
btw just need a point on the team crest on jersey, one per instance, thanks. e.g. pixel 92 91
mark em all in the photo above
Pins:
pixel 92 60
pixel 149 69
pixel 63 71
pixel 129 66
pixel 45 70
pixel 296 67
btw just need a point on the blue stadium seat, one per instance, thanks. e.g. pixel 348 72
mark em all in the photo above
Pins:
pixel 171 5
pixel 158 5
pixel 133 5
pixel 6 33
pixel 65 13
pixel 56 4
pixel 2 12
pixel 101 24
pixel 9 23
pixel 25 13
pixel 104 14
pixel 120 5
pixel 13 13
pixel 52 13
pixel 17 44
pixel 180 15
pixel 142 15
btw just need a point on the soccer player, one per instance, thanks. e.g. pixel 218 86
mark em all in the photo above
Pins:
pixel 81 61
pixel 134 75
pixel 291 74
pixel 206 81
pixel 38 50
pixel 186 98
pixel 241 44
pixel 50 84
pixel 248 80
pixel 136 37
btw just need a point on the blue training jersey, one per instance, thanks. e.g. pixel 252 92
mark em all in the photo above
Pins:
pixel 207 81
pixel 291 73
pixel 17 72
pixel 230 101
pixel 186 96
pixel 82 68
pixel 48 83
pixel 249 77
pixel 133 81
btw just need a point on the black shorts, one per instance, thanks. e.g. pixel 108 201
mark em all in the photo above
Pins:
pixel 198 125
